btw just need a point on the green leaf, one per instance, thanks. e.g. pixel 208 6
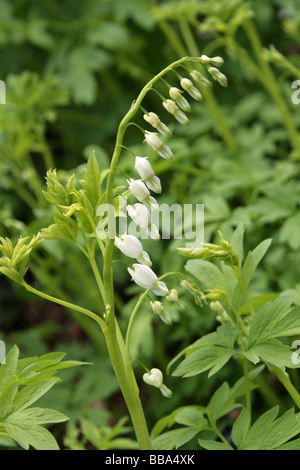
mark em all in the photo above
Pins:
pixel 174 439
pixel 35 436
pixel 208 274
pixel 92 183
pixel 268 433
pixel 31 393
pixel 241 427
pixel 10 366
pixel 266 320
pixel 272 351
pixel 190 416
pixel 35 416
pixel 209 357
pixel 237 241
pixel 213 445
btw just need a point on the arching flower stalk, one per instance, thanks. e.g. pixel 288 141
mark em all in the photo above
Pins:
pixel 83 211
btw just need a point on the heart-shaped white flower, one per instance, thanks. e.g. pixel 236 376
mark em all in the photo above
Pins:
pixel 154 378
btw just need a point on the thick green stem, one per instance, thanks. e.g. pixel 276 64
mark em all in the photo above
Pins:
pixel 129 392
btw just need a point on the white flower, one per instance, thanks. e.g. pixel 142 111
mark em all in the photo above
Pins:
pixel 138 189
pixel 144 169
pixel 154 121
pixel 142 217
pixel 144 277
pixel 132 247
pixel 155 378
pixel 190 88
pixel 154 141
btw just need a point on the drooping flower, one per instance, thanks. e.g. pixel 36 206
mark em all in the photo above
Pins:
pixel 133 248
pixel 139 190
pixel 154 121
pixel 173 109
pixel 162 149
pixel 155 378
pixel 176 96
pixel 144 277
pixel 145 170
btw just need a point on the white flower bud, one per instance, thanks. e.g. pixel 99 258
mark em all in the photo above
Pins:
pixel 217 61
pixel 154 121
pixel 154 141
pixel 190 88
pixel 138 189
pixel 170 106
pixel 176 95
pixel 144 168
pixel 173 297
pixel 218 76
pixel 198 77
pixel 205 60
pixel 160 310
pixel 173 109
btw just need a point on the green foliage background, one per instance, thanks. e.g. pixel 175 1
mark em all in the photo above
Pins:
pixel 72 70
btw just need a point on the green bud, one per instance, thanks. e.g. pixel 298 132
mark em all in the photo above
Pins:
pixel 218 76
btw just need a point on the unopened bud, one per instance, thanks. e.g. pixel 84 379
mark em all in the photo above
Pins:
pixel 218 76
pixel 160 310
pixel 190 88
pixel 198 77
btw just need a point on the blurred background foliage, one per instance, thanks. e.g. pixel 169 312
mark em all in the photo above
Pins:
pixel 72 70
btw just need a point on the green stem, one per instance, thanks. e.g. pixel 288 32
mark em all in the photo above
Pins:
pixel 64 303
pixel 286 382
pixel 129 393
pixel 270 83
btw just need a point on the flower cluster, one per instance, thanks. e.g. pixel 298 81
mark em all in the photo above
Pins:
pixel 140 212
